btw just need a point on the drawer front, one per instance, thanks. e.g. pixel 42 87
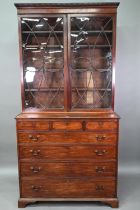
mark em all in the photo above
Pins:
pixel 53 137
pixel 67 152
pixel 101 125
pixel 67 188
pixel 67 169
pixel 67 125
pixel 33 125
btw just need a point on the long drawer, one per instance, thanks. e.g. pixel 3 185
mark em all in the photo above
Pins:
pixel 67 188
pixel 71 168
pixel 65 137
pixel 67 152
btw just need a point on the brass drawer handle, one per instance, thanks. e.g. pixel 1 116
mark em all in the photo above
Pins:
pixel 99 188
pixel 34 138
pixel 100 169
pixel 67 123
pixel 100 138
pixel 101 124
pixel 68 181
pixel 100 152
pixel 35 170
pixel 35 152
pixel 35 188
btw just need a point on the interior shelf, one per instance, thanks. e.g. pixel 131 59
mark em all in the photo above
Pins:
pixel 74 31
pixel 54 46
pixel 62 89
pixel 88 69
pixel 73 69
pixel 41 46
pixel 48 70
pixel 92 45
pixel 40 32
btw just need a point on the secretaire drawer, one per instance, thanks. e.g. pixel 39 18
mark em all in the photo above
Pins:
pixel 67 125
pixel 67 137
pixel 67 169
pixel 67 188
pixel 101 125
pixel 67 152
pixel 32 125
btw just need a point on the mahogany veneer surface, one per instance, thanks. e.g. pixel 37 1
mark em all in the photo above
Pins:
pixel 68 158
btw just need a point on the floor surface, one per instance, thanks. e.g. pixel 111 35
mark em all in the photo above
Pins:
pixel 128 193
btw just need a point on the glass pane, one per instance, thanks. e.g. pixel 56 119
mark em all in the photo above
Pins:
pixel 91 62
pixel 42 40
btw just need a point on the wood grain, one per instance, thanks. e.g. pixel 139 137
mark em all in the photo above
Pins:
pixel 69 168
pixel 37 138
pixel 67 152
pixel 64 188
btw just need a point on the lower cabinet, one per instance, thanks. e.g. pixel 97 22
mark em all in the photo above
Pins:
pixel 73 159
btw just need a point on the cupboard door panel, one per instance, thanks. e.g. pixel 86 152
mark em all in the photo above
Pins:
pixel 91 61
pixel 43 66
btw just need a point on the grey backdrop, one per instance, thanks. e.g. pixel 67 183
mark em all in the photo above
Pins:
pixel 127 101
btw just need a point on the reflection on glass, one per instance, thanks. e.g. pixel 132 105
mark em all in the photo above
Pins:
pixel 30 73
pixel 91 62
pixel 43 62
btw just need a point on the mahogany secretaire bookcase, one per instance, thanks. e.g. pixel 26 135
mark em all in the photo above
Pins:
pixel 67 132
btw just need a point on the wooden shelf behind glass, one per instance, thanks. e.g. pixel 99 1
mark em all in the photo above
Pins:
pixel 53 46
pixel 62 89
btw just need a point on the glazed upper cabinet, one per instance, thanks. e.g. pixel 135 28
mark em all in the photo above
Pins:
pixel 67 61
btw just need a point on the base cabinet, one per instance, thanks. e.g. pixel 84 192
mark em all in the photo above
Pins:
pixel 65 163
